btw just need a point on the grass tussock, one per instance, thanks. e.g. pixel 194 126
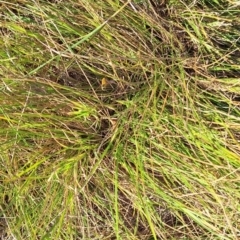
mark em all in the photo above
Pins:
pixel 119 119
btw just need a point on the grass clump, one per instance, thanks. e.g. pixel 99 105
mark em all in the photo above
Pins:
pixel 119 120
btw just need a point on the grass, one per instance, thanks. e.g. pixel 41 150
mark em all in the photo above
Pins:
pixel 150 152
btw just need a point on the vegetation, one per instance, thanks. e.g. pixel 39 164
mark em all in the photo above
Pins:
pixel 119 119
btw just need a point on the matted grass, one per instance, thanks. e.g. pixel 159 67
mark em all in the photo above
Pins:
pixel 119 119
